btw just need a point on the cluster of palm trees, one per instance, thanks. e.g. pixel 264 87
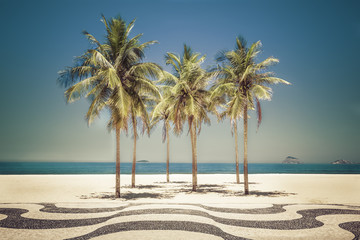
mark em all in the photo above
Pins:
pixel 113 76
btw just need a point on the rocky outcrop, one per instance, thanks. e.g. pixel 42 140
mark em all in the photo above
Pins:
pixel 291 160
pixel 142 161
pixel 342 161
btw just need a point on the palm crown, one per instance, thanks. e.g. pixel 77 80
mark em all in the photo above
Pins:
pixel 112 74
pixel 242 80
pixel 189 96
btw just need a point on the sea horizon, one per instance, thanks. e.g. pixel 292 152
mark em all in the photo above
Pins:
pixel 65 167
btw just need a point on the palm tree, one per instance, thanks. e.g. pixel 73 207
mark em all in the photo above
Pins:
pixel 225 95
pixel 244 82
pixel 144 94
pixel 106 74
pixel 117 121
pixel 162 112
pixel 189 98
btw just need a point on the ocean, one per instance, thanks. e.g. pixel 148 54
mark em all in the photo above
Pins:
pixel 8 168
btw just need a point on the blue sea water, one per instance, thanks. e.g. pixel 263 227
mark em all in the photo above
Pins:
pixel 160 168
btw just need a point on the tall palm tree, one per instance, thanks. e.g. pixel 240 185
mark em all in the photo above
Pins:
pixel 107 75
pixel 162 112
pixel 244 82
pixel 225 96
pixel 189 98
pixel 144 94
pixel 117 121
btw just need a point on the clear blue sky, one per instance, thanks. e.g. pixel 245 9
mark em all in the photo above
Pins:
pixel 316 119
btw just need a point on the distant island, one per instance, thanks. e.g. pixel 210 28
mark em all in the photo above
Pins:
pixel 291 160
pixel 142 161
pixel 342 161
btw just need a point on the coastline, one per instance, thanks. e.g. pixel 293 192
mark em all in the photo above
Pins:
pixel 212 188
pixel 34 168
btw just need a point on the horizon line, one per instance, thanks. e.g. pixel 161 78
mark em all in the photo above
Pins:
pixel 70 161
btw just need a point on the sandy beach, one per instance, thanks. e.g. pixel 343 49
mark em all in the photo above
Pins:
pixel 280 206
pixel 213 188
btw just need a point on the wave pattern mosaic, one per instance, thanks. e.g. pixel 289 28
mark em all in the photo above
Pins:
pixel 178 221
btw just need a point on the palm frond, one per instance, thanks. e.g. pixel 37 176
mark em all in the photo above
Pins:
pixel 145 86
pixel 262 92
pixel 272 80
pixel 147 44
pixel 78 90
pixel 174 61
pixel 146 69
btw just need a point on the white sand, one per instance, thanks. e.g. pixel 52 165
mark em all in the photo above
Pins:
pixel 213 189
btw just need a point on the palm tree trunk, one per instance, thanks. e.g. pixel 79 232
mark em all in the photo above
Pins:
pixel 117 181
pixel 190 120
pixel 167 153
pixel 236 154
pixel 246 182
pixel 134 155
pixel 195 153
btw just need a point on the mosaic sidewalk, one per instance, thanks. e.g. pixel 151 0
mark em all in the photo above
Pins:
pixel 178 221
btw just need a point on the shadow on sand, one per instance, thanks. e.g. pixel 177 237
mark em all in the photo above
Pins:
pixel 144 186
pixel 162 191
pixel 127 196
pixel 269 194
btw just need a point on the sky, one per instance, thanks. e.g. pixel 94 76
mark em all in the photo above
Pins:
pixel 316 119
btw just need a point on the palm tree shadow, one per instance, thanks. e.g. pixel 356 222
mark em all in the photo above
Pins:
pixel 128 195
pixel 144 186
pixel 181 182
pixel 235 183
pixel 269 194
pixel 134 196
pixel 206 188
pixel 161 191
pixel 103 195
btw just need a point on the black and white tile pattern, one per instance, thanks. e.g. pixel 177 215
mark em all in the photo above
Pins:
pixel 181 221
